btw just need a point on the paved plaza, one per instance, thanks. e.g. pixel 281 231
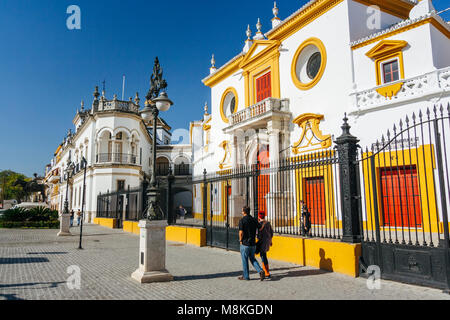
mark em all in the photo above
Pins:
pixel 34 266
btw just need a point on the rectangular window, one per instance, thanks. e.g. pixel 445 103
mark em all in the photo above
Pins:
pixel 120 185
pixel 263 87
pixel 391 71
pixel 401 197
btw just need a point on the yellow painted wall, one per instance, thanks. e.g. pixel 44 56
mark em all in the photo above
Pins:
pixel 132 227
pixel 106 222
pixel 187 235
pixel 323 254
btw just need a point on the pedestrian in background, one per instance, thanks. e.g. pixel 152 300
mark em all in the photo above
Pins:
pixel 78 217
pixel 181 212
pixel 247 239
pixel 306 219
pixel 265 235
pixel 72 214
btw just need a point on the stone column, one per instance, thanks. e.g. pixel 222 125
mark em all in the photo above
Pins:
pixel 152 253
pixel 237 190
pixel 275 198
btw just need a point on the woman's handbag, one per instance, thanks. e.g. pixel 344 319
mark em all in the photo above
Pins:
pixel 258 247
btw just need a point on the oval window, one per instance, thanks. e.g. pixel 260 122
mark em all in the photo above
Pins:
pixel 309 64
pixel 229 104
pixel 313 66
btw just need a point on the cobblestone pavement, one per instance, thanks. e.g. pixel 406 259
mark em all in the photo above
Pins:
pixel 33 265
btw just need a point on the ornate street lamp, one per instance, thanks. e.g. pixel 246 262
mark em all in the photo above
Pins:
pixel 68 173
pixel 64 227
pixel 152 247
pixel 156 101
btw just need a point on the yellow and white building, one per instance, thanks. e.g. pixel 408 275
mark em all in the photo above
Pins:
pixel 286 91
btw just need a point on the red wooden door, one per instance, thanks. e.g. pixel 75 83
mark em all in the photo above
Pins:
pixel 315 199
pixel 263 178
pixel 263 87
pixel 401 198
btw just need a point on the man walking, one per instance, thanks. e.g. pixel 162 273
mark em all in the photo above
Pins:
pixel 247 238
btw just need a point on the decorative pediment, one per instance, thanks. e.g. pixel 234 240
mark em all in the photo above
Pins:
pixel 385 48
pixel 311 138
pixel 259 49
pixel 226 161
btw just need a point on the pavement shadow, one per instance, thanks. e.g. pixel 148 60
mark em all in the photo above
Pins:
pixel 222 275
pixel 10 297
pixel 22 260
pixel 31 284
pixel 49 253
pixel 297 274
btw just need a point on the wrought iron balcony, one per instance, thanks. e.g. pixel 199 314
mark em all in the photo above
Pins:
pixel 423 86
pixel 116 158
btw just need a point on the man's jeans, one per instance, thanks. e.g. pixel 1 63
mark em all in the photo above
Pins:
pixel 249 253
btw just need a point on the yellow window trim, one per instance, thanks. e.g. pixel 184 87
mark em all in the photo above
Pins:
pixel 425 162
pixel 224 95
pixel 255 66
pixel 313 172
pixel 319 44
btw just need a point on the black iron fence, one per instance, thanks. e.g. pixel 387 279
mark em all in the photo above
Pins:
pixel 405 194
pixel 277 189
pixel 125 205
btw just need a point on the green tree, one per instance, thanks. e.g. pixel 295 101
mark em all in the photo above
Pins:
pixel 8 188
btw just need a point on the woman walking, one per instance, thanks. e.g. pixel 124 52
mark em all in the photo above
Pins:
pixel 265 235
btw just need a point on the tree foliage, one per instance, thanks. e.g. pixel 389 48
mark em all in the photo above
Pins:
pixel 9 190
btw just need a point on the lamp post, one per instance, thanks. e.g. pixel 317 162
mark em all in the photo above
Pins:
pixel 152 258
pixel 64 227
pixel 84 162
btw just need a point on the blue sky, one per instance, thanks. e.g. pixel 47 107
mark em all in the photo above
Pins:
pixel 46 69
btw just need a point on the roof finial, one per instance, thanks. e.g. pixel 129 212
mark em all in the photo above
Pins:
pixel 275 21
pixel 213 65
pixel 248 42
pixel 206 108
pixel 136 99
pixel 96 94
pixel 275 10
pixel 82 106
pixel 259 35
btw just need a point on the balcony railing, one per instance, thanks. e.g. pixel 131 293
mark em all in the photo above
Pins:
pixel 119 158
pixel 257 110
pixel 429 84
pixel 162 169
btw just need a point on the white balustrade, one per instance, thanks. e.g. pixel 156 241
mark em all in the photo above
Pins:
pixel 427 84
pixel 262 107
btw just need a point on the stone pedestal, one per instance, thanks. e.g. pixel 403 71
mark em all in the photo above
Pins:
pixel 152 253
pixel 64 225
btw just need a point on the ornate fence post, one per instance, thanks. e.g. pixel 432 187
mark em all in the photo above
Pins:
pixel 205 201
pixel 347 146
pixel 171 219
